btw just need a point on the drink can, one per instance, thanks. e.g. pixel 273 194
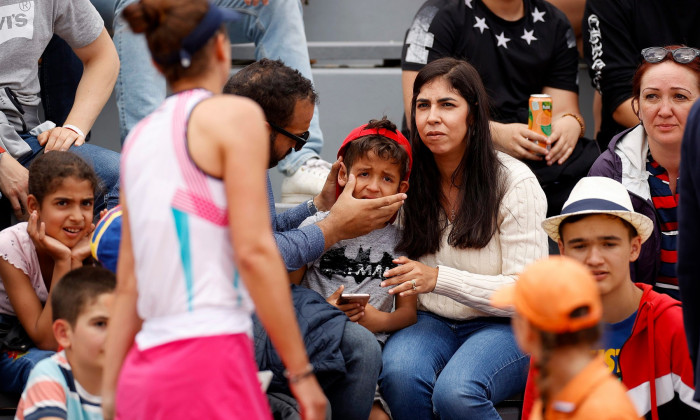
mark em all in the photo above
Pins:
pixel 539 116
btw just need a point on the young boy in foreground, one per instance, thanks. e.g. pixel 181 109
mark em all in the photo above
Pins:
pixel 379 157
pixel 67 385
pixel 644 342
pixel 557 320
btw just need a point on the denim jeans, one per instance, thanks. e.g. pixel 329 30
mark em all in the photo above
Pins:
pixel 15 367
pixel 59 75
pixel 278 33
pixel 441 368
pixel 105 163
pixel 351 396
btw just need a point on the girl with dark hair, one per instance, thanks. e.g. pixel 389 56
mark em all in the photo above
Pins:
pixel 471 223
pixel 37 254
pixel 646 158
pixel 197 251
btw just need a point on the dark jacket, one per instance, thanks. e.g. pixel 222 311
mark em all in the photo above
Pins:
pixel 689 237
pixel 322 327
pixel 631 145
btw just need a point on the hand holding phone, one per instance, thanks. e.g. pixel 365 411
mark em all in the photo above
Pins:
pixel 361 298
pixel 353 309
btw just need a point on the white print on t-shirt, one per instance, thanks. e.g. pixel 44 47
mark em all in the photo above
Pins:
pixel 595 36
pixel 418 38
pixel 17 21
pixel 481 24
pixel 538 16
pixel 502 40
pixel 528 36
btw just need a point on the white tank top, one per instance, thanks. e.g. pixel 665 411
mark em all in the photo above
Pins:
pixel 188 285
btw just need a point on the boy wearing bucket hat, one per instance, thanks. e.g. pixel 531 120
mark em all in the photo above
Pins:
pixel 557 320
pixel 643 342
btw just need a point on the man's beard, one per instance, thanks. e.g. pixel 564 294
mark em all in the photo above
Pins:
pixel 274 157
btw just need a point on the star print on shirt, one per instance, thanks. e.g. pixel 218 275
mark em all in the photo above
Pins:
pixel 528 36
pixel 481 24
pixel 537 16
pixel 502 40
pixel 468 3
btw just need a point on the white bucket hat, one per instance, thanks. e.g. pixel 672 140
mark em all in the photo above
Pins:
pixel 599 195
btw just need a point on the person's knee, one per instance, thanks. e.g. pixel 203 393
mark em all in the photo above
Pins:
pixel 455 392
pixel 360 346
pixel 20 368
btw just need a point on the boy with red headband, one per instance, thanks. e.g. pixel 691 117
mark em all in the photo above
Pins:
pixel 379 157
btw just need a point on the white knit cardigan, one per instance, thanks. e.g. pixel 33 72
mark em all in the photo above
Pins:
pixel 468 277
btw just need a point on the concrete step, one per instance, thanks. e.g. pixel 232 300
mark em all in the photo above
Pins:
pixel 336 50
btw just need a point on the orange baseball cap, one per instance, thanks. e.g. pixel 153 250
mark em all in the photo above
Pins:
pixel 547 293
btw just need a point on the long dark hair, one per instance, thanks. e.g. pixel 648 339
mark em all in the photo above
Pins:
pixel 479 176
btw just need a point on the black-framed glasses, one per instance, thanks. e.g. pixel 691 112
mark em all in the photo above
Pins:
pixel 683 55
pixel 299 139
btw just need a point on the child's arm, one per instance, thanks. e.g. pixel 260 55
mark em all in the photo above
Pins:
pixel 403 316
pixel 35 317
pixel 296 276
pixel 124 322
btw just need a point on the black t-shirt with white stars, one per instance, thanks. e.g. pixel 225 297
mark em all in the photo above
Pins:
pixel 514 59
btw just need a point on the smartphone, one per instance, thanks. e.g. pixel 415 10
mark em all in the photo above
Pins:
pixel 361 298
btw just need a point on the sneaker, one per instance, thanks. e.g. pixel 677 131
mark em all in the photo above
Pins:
pixel 306 183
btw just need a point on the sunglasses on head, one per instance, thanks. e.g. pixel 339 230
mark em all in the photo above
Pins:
pixel 683 55
pixel 299 139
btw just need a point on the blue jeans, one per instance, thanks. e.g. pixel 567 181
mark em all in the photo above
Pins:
pixel 59 75
pixel 105 163
pixel 351 396
pixel 278 33
pixel 14 367
pixel 441 368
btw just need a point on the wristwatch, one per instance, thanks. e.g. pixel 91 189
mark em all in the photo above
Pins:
pixel 311 207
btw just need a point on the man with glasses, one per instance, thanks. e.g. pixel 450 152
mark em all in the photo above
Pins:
pixel 613 34
pixel 287 99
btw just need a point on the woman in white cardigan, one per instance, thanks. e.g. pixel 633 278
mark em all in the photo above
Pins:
pixel 471 223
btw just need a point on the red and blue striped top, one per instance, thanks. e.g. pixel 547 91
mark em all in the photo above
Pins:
pixel 665 203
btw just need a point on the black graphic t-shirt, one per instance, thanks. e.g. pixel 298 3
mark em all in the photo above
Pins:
pixel 514 59
pixel 357 263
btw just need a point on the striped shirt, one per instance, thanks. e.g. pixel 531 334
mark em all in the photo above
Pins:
pixel 52 391
pixel 665 204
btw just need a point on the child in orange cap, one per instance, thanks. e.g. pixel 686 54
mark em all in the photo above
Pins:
pixel 557 320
